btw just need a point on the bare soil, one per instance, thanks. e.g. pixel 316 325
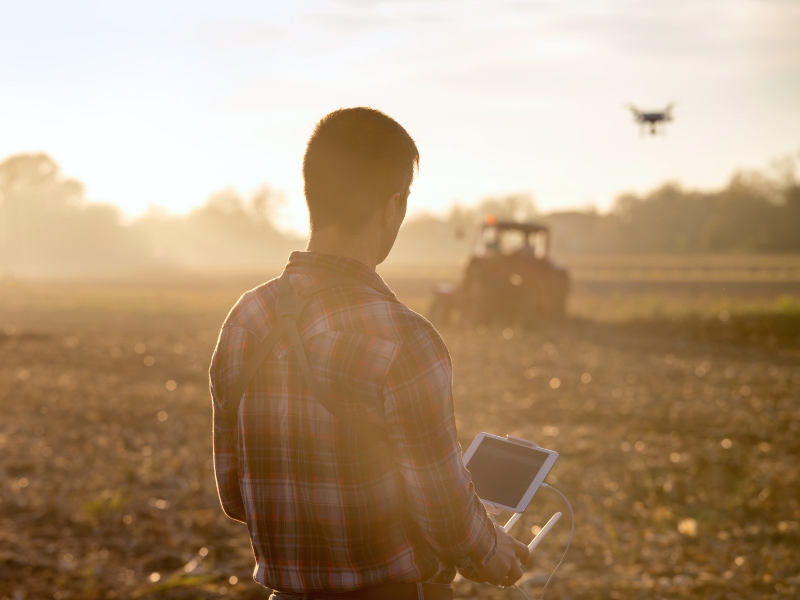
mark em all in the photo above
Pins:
pixel 678 440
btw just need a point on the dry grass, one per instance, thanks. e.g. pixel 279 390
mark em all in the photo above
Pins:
pixel 742 268
pixel 106 475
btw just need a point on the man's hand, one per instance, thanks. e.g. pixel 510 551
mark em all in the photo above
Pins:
pixel 504 567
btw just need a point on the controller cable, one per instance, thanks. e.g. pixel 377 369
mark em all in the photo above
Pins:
pixel 563 556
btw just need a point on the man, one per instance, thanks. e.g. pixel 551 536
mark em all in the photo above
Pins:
pixel 332 512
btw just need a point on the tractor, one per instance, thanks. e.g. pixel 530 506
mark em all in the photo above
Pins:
pixel 509 278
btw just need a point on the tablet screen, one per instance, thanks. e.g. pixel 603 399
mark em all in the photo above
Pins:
pixel 502 472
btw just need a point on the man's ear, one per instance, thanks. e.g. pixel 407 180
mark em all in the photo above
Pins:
pixel 395 207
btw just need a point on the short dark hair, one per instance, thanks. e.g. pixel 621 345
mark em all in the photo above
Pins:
pixel 355 160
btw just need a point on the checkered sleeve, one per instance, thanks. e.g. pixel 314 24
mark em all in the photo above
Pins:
pixel 419 412
pixel 226 364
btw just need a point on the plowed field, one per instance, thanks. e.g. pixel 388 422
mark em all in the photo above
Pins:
pixel 679 443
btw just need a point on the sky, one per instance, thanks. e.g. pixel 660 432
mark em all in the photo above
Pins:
pixel 164 103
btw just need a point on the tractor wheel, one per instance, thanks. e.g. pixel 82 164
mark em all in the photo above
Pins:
pixel 475 308
pixel 560 309
pixel 556 304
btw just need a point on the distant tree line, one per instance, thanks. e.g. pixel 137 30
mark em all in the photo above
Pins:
pixel 47 227
pixel 753 213
pixel 227 232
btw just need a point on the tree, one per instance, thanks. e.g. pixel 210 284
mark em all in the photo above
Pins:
pixel 47 227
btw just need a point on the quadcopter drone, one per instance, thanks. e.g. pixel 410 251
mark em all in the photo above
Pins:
pixel 649 121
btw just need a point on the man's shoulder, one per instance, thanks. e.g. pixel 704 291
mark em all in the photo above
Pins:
pixel 255 309
pixel 388 317
pixel 361 309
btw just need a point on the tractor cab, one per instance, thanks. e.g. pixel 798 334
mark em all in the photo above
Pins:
pixel 509 238
pixel 509 277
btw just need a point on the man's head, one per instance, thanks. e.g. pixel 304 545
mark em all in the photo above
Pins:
pixel 358 168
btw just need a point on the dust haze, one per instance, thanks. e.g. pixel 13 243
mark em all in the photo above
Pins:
pixel 50 229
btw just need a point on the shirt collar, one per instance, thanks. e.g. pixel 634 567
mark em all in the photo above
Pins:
pixel 314 263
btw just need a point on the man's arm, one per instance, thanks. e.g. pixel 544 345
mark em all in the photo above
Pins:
pixel 419 413
pixel 226 364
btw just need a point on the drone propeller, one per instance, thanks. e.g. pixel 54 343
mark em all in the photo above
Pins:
pixel 637 114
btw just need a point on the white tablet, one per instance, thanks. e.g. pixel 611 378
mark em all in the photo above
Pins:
pixel 506 472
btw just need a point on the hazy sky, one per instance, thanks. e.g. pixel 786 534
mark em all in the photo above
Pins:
pixel 166 102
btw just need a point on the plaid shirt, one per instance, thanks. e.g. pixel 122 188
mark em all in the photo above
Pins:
pixel 327 510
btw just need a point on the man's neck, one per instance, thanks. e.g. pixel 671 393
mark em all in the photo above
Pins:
pixel 361 247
